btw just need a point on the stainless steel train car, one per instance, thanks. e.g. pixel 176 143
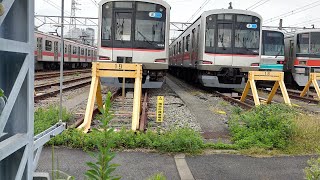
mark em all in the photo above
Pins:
pixel 272 55
pixel 135 31
pixel 47 53
pixel 219 48
pixel 302 51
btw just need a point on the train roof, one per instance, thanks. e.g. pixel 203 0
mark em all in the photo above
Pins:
pixel 230 11
pixel 274 30
pixel 162 2
pixel 306 31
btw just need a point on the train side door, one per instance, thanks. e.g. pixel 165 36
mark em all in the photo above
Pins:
pixel 224 45
pixel 39 48
pixel 55 50
pixel 123 36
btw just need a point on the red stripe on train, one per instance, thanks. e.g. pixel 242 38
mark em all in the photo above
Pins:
pixel 133 49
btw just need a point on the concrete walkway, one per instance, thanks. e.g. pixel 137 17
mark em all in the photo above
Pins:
pixel 140 166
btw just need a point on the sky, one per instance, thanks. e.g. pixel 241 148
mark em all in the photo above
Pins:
pixel 182 10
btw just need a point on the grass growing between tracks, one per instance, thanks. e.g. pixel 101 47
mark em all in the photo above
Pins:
pixel 44 118
pixel 175 140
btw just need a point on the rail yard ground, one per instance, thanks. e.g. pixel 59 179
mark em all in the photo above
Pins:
pixel 220 140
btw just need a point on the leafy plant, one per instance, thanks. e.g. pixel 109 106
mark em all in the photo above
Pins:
pixel 47 117
pixel 313 171
pixel 1 93
pixel 102 169
pixel 266 126
pixel 158 176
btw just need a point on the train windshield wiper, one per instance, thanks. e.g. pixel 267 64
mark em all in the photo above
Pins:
pixel 279 53
pixel 145 38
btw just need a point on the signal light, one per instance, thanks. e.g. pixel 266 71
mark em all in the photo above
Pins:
pixel 104 58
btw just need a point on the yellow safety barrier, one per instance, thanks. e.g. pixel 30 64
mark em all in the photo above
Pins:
pixel 277 77
pixel 113 70
pixel 314 77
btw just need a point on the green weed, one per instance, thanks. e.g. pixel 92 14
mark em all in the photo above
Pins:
pixel 312 172
pixel 266 126
pixel 47 117
pixel 159 176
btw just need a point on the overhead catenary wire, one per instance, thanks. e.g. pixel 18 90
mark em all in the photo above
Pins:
pixel 257 4
pixel 95 2
pixel 306 22
pixel 201 7
pixel 293 12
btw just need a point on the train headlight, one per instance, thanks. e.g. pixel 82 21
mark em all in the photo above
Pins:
pixel 160 60
pixel 300 70
pixel 255 64
pixel 206 62
pixel 302 62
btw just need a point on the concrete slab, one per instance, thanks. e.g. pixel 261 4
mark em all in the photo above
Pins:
pixel 134 165
pixel 238 167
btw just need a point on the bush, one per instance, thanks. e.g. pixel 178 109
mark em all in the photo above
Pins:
pixel 313 171
pixel 266 126
pixel 44 118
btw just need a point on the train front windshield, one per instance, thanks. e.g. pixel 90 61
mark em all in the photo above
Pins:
pixel 308 44
pixel 273 43
pixel 232 34
pixel 133 24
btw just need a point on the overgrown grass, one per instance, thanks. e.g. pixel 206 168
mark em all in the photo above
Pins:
pixel 266 126
pixel 312 172
pixel 47 117
pixel 175 140
pixel 306 136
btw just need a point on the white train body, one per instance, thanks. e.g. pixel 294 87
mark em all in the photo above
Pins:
pixel 302 51
pixel 47 52
pixel 135 31
pixel 219 48
pixel 272 55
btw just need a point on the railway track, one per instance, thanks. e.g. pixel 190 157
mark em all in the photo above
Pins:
pixel 122 112
pixel 50 93
pixel 40 76
pixel 57 83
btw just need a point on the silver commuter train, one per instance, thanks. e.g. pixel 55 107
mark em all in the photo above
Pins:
pixel 302 51
pixel 47 52
pixel 135 31
pixel 272 55
pixel 219 48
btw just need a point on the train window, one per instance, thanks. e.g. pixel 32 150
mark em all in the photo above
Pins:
pixel 123 28
pixel 225 16
pixel 193 39
pixel 315 43
pixel 303 43
pixel 127 5
pixel 69 49
pixel 86 52
pixel 179 51
pixel 183 41
pixel 210 37
pixel 174 50
pixel 146 7
pixel 74 50
pixel 48 45
pixel 224 35
pixel 106 21
pixel 244 18
pixel 198 35
pixel 78 50
pixel 65 49
pixel 247 38
pixel 82 51
pixel 188 43
pixel 89 53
